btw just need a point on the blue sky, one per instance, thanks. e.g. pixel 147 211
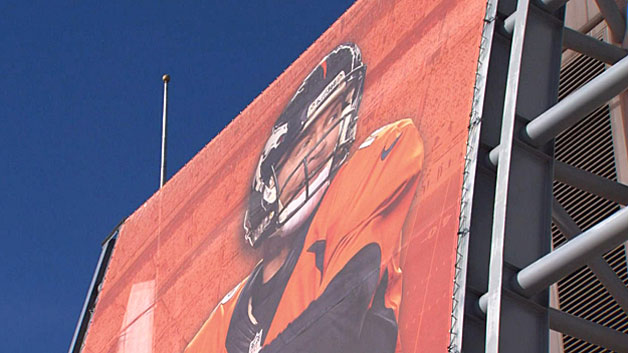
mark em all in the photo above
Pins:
pixel 80 103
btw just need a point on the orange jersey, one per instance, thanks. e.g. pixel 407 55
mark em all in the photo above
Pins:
pixel 366 203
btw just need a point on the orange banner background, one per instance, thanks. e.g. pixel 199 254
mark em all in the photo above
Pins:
pixel 183 250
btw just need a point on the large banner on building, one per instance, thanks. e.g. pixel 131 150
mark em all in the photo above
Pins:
pixel 324 218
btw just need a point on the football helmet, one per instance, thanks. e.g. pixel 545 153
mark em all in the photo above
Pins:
pixel 339 77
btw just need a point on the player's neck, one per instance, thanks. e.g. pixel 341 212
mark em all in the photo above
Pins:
pixel 276 249
pixel 274 263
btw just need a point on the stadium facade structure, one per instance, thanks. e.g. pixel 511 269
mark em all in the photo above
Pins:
pixel 541 263
pixel 548 167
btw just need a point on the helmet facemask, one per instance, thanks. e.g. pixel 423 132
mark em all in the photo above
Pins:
pixel 301 188
pixel 289 181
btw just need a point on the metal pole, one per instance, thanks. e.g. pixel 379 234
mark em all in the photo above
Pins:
pixel 596 241
pixel 590 182
pixel 164 125
pixel 598 265
pixel 577 105
pixel 588 331
pixel 509 24
pixel 592 47
pixel 613 17
pixel 582 329
pixel 496 261
pixel 600 268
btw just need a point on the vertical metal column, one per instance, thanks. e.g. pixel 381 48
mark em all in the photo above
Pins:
pixel 511 207
pixel 468 188
pixel 496 264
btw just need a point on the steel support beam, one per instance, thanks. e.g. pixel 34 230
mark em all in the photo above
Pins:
pixel 584 329
pixel 548 5
pixel 588 331
pixel 496 260
pixel 509 209
pixel 613 17
pixel 493 156
pixel 598 265
pixel 577 105
pixel 595 184
pixel 592 47
pixel 462 254
pixel 596 241
pixel 604 273
pixel 509 24
pixel 552 5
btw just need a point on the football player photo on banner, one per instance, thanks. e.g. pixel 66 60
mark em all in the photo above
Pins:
pixel 324 217
pixel 328 223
